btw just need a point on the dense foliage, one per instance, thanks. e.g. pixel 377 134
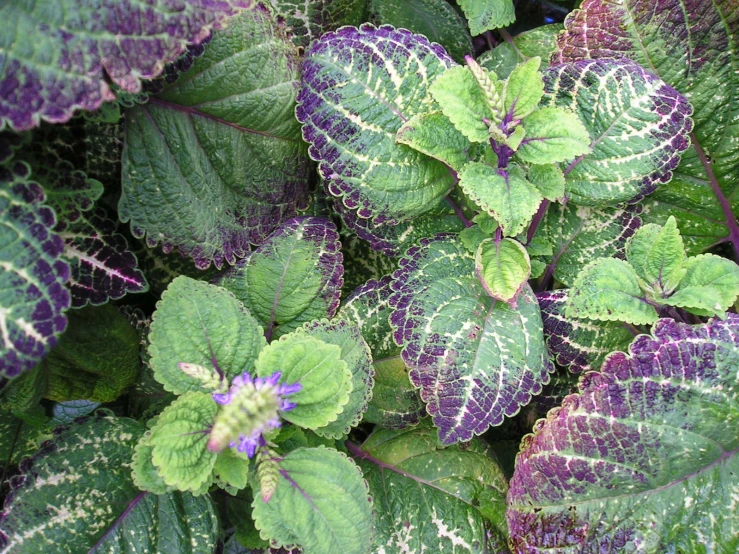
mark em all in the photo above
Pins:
pixel 369 276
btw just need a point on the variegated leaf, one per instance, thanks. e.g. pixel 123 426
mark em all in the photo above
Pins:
pixel 359 87
pixel 307 21
pixel 638 125
pixel 475 359
pixel 693 48
pixel 644 458
pixel 539 41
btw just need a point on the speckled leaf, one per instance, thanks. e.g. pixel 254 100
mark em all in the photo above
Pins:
pixel 638 126
pixel 317 365
pixel 359 87
pixel 608 289
pixel 178 442
pixel 435 19
pixel 644 457
pixel 475 359
pixel 73 490
pixel 433 134
pixel 503 268
pixel 432 498
pixel 562 384
pixel 198 171
pixel 580 235
pixel 709 288
pixel 294 277
pixel 362 263
pixel 309 20
pixel 695 50
pixel 101 265
pixel 19 439
pixel 96 359
pixel 394 240
pixel 201 324
pixel 578 344
pixel 485 15
pixel 172 522
pixel 56 58
pixel 540 41
pixel 504 195
pixel 321 503
pixel 356 353
pixel 368 307
pixel 32 274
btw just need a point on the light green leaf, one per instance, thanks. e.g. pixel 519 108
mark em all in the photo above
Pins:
pixel 485 15
pixel 608 290
pixel 505 57
pixel 321 504
pixel 549 179
pixel 295 276
pixel 503 268
pixel 197 166
pixel 76 490
pixel 553 135
pixel 143 471
pixel 174 522
pixel 201 324
pixel 231 470
pixel 506 196
pixel 434 135
pixel 395 402
pixel 433 498
pixel 356 353
pixel 435 19
pixel 523 89
pixel 463 101
pixel 710 286
pixel 657 255
pixel 179 442
pixel 318 367
pixel 471 237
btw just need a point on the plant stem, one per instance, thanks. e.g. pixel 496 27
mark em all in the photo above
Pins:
pixel 509 39
pixel 538 218
pixel 458 211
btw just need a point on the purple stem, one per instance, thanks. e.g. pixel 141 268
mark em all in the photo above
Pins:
pixel 538 218
pixel 733 236
pixel 458 211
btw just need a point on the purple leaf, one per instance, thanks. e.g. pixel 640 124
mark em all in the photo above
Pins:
pixel 645 454
pixel 475 360
pixel 578 344
pixel 33 297
pixel 57 58
pixel 102 266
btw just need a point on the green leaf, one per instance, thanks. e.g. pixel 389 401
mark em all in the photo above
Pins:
pixel 642 456
pixel 657 255
pixel 307 21
pixel 362 263
pixel 435 19
pixel 471 237
pixel 485 15
pixel 179 440
pixel 201 324
pixel 523 89
pixel 19 439
pixel 173 522
pixel 703 193
pixel 356 353
pixel 97 359
pixel 318 367
pixel 231 470
pixel 549 179
pixel 431 497
pixel 580 235
pixel 637 123
pixel 143 471
pixel 293 278
pixel 321 503
pixel 395 402
pixel 504 195
pixel 464 102
pixel 75 489
pixel 434 135
pixel 709 288
pixel 608 290
pixel 368 307
pixel 503 268
pixel 23 394
pixel 197 169
pixel 505 57
pixel 553 135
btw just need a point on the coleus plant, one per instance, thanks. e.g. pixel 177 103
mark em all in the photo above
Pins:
pixel 365 218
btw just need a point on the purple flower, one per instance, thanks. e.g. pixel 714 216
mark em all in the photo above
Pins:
pixel 250 409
